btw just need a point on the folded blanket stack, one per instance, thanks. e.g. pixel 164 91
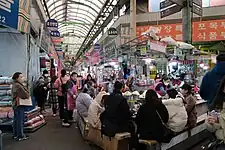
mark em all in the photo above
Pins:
pixel 33 120
pixel 6 111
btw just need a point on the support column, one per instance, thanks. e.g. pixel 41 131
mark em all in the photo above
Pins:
pixel 187 22
pixel 133 8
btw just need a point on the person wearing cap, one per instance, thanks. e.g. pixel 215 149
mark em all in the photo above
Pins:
pixel 190 105
pixel 211 81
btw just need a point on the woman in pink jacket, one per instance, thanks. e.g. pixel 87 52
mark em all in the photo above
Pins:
pixel 71 95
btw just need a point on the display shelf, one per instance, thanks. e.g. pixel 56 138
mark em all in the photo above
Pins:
pixel 33 120
pixel 34 129
pixel 6 125
pixel 32 114
pixel 6 111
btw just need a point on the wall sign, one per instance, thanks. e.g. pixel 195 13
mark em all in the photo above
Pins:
pixel 15 14
pixel 212 30
pixel 9 13
pixel 112 31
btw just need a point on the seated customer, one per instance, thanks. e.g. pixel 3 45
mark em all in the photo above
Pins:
pixel 177 113
pixel 149 124
pixel 117 117
pixel 83 102
pixel 95 109
pixel 190 105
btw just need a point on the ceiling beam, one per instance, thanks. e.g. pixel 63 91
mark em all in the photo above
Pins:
pixel 74 23
pixel 71 31
pixel 46 8
pixel 61 16
pixel 66 11
pixel 78 29
pixel 89 40
pixel 71 12
pixel 74 2
pixel 74 27
pixel 78 3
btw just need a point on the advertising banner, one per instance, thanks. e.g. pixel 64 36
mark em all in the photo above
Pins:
pixel 213 30
pixel 217 2
pixel 110 50
pixel 15 14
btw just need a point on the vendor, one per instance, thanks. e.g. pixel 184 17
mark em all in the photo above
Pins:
pixel 162 86
pixel 157 78
pixel 129 84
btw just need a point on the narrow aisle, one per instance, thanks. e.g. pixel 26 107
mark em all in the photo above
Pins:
pixel 50 137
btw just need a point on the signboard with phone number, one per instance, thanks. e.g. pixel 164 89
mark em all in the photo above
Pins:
pixel 9 10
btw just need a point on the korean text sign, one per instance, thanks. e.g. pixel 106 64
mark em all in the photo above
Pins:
pixel 9 10
pixel 213 30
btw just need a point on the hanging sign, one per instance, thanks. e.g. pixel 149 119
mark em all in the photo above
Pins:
pixel 97 47
pixel 55 34
pixel 52 25
pixel 112 31
pixel 157 46
pixel 15 14
pixel 142 49
pixel 61 55
pixel 169 11
pixel 57 40
pixel 110 50
pixel 58 47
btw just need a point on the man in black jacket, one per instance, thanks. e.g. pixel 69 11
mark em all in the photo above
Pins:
pixel 117 117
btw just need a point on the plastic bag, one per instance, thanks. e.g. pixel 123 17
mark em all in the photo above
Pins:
pixel 169 41
pixel 183 45
pixel 75 116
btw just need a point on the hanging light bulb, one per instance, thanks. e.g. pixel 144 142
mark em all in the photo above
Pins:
pixel 151 67
pixel 206 67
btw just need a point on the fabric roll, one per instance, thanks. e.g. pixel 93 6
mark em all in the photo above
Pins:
pixel 5 103
pixel 5 93
pixel 5 98
pixel 6 81
pixel 5 87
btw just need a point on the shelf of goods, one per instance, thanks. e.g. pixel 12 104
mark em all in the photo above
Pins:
pixel 33 120
pixel 6 111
